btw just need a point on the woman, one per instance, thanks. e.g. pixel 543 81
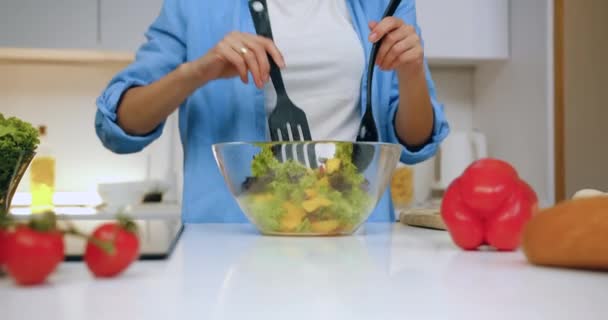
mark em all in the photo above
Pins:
pixel 205 59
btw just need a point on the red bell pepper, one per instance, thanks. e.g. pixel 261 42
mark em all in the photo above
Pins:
pixel 488 205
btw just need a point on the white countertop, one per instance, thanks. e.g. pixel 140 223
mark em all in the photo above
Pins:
pixel 384 272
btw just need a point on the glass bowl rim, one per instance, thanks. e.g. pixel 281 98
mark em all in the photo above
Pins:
pixel 267 143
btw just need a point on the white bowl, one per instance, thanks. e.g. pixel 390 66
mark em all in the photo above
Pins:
pixel 120 196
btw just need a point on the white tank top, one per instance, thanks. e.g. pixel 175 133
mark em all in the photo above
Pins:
pixel 324 64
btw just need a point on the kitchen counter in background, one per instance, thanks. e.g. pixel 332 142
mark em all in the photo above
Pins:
pixel 386 271
pixel 140 211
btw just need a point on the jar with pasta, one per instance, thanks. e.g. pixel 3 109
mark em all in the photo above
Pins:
pixel 402 186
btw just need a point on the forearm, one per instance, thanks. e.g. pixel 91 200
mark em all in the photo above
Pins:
pixel 143 108
pixel 414 119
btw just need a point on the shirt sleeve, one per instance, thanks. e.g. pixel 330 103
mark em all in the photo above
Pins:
pixel 163 51
pixel 407 11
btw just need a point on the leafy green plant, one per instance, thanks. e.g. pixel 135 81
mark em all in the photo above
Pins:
pixel 18 141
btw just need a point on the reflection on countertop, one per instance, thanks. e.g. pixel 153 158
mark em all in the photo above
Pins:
pixel 385 271
pixel 144 211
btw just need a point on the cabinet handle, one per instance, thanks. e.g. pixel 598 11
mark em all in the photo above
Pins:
pixel 98 21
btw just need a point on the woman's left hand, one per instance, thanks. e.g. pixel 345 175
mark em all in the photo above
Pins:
pixel 401 49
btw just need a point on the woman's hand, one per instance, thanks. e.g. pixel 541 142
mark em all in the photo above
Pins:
pixel 143 108
pixel 236 55
pixel 401 49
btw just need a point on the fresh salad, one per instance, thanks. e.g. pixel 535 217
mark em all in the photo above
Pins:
pixel 288 197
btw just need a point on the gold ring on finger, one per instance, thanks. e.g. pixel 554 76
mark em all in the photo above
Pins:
pixel 243 50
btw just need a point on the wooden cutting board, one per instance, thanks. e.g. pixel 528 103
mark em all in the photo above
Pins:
pixel 423 218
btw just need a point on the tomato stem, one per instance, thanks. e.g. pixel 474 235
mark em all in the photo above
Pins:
pixel 5 220
pixel 43 223
pixel 106 246
pixel 126 223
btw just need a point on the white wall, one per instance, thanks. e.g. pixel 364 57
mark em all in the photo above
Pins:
pixel 513 100
pixel 455 90
pixel 62 97
pixel 586 104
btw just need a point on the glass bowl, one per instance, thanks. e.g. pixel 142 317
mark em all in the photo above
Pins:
pixel 318 188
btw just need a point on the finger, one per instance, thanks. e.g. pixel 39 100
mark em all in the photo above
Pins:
pixel 389 41
pixel 411 56
pixel 238 43
pixel 385 26
pixel 259 53
pixel 397 50
pixel 372 24
pixel 227 53
pixel 272 49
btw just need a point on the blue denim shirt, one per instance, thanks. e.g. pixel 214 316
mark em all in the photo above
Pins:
pixel 228 110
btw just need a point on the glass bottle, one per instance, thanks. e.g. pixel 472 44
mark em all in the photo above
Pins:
pixel 42 176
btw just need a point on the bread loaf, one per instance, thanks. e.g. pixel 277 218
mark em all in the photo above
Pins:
pixel 571 234
pixel 588 193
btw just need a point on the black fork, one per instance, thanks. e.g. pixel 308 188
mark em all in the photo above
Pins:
pixel 286 122
pixel 368 132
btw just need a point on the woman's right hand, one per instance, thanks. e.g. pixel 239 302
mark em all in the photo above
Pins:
pixel 143 108
pixel 237 55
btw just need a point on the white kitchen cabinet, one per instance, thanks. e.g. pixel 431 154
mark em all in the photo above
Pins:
pixel 454 31
pixel 464 30
pixel 114 25
pixel 48 24
pixel 124 23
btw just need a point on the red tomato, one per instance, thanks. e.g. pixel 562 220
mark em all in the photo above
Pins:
pixel 3 244
pixel 125 251
pixel 31 256
pixel 487 183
